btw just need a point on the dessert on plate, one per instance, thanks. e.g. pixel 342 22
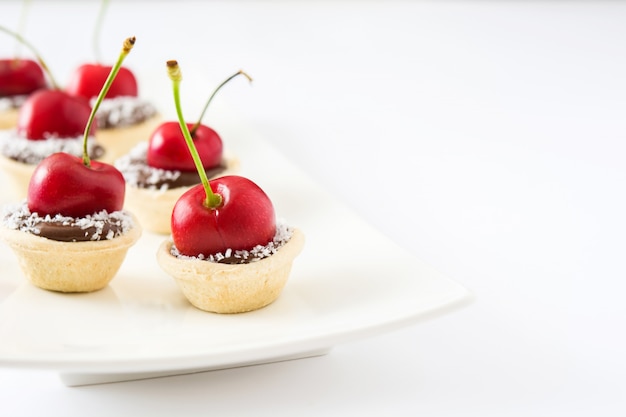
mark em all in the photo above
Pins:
pixel 71 234
pixel 227 252
pixel 66 253
pixel 160 170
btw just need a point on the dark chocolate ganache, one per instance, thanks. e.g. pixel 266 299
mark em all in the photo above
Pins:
pixel 99 226
pixel 282 236
pixel 138 173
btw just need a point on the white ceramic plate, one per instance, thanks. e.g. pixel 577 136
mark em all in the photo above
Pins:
pixel 350 282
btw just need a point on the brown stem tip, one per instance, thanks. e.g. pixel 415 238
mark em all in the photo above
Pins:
pixel 128 44
pixel 173 70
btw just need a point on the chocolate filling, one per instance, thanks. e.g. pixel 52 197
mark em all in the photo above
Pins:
pixel 74 233
pixel 95 227
pixel 235 260
pixel 185 179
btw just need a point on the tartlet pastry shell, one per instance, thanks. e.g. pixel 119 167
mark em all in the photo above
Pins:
pixel 120 140
pixel 69 266
pixel 223 288
pixel 18 176
pixel 154 207
pixel 8 118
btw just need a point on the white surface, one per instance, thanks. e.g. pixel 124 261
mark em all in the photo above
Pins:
pixel 356 284
pixel 487 138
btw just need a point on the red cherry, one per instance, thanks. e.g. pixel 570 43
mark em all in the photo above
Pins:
pixel 63 184
pixel 49 113
pixel 20 77
pixel 87 81
pixel 244 219
pixel 167 148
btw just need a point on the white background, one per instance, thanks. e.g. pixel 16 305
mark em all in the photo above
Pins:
pixel 487 138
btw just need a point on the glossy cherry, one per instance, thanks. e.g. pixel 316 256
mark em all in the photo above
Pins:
pixel 242 220
pixel 76 187
pixel 167 148
pixel 230 212
pixel 62 184
pixel 87 80
pixel 20 76
pixel 53 113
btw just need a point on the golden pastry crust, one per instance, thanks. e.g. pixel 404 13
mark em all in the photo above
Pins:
pixel 69 266
pixel 154 207
pixel 224 288
pixel 119 141
pixel 18 176
pixel 8 118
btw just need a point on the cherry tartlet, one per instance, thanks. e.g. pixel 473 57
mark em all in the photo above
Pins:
pixel 159 171
pixel 69 254
pixel 255 280
pixel 227 252
pixel 72 233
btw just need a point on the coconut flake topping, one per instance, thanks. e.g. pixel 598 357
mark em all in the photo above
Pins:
pixel 16 147
pixel 12 102
pixel 123 111
pixel 138 173
pixel 19 217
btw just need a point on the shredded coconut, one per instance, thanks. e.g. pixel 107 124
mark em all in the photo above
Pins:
pixel 283 234
pixel 138 173
pixel 16 147
pixel 12 102
pixel 122 111
pixel 19 217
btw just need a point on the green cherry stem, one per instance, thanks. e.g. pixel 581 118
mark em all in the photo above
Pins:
pixel 126 47
pixel 206 106
pixel 22 24
pixel 34 51
pixel 98 29
pixel 212 200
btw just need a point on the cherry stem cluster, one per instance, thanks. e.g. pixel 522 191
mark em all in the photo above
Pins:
pixel 34 51
pixel 126 48
pixel 212 200
pixel 206 106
